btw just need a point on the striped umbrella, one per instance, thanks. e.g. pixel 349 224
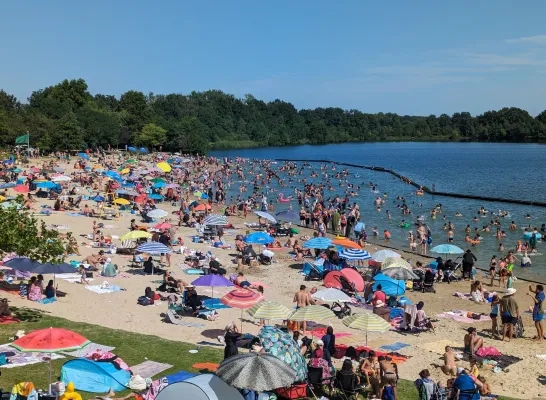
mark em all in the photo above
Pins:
pixel 153 248
pixel 243 299
pixel 214 219
pixel 256 371
pixel 312 313
pixel 395 262
pixel 354 254
pixel 318 243
pixel 269 310
pixel 331 295
pixel 367 322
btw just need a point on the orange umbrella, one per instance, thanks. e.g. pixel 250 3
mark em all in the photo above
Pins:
pixel 344 242
pixel 203 207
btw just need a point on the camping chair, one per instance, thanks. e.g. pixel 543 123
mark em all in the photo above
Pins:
pixel 467 394
pixel 316 382
pixel 346 386
pixel 431 391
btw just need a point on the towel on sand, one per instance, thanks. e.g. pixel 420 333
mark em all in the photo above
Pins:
pixel 100 290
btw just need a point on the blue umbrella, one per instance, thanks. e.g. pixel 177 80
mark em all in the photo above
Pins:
pixel 447 249
pixel 391 287
pixel 98 199
pixel 84 156
pixel 132 149
pixel 8 185
pixel 113 175
pixel 156 196
pixel 159 185
pixel 16 170
pixel 288 215
pixel 204 196
pixel 128 185
pixel 49 268
pixel 46 185
pixel 153 248
pixel 143 150
pixel 258 238
pixel 318 243
pixel 23 264
pixel 353 254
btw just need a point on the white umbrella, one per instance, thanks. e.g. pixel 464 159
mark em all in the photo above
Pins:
pixel 266 215
pixel 331 295
pixel 61 178
pixel 157 213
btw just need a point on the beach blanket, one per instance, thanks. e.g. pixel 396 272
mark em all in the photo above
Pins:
pixel 91 347
pixel 8 319
pixel 75 215
pixel 17 358
pixel 48 301
pixel 216 304
pixel 100 290
pixel 395 346
pixel 320 332
pixel 212 367
pixel 193 271
pixel 461 316
pixel 149 368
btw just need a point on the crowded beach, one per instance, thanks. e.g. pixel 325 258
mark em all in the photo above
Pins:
pixel 176 246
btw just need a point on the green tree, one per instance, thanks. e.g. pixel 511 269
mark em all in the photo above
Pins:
pixel 68 134
pixel 25 236
pixel 151 135
pixel 189 136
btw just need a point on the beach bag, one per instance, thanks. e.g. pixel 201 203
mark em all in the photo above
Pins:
pixel 144 301
pixel 137 383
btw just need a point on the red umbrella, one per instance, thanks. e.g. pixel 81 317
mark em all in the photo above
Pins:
pixel 162 225
pixel 21 189
pixel 243 299
pixel 50 340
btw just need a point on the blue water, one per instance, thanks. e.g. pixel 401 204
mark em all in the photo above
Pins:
pixel 516 171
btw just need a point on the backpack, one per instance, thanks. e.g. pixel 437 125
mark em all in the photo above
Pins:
pixel 144 301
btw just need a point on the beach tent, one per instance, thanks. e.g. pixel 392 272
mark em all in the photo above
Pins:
pixel 200 387
pixel 94 377
pixel 389 286
pixel 333 279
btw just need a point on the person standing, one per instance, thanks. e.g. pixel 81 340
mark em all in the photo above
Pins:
pixel 231 336
pixel 468 264
pixel 509 313
pixel 538 310
pixel 301 298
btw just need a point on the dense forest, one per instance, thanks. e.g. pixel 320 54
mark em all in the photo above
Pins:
pixel 68 117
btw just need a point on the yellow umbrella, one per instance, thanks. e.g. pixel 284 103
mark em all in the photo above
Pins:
pixel 122 202
pixel 2 198
pixel 125 171
pixel 163 166
pixel 135 235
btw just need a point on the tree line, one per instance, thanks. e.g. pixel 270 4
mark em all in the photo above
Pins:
pixel 68 117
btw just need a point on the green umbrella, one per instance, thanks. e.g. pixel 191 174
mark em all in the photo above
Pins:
pixel 155 180
pixel 131 161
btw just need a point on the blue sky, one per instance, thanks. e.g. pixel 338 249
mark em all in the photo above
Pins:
pixel 410 57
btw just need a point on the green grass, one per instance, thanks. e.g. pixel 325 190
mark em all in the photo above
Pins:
pixel 133 348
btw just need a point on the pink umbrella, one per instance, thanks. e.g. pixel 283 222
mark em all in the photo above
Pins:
pixel 243 299
pixel 162 225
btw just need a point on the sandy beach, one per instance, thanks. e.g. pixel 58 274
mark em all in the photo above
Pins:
pixel 282 279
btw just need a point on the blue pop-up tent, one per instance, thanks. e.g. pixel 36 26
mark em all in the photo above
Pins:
pixel 94 376
pixel 391 287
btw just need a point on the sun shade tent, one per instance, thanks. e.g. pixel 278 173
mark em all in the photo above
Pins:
pixel 94 377
pixel 200 387
pixel 334 279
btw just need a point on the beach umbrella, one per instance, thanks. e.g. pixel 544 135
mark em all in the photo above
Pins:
pixel 172 186
pixel 282 345
pixel 381 255
pixel 395 262
pixel 159 185
pixel 84 156
pixel 8 185
pixel 143 150
pixel 288 215
pixel 162 225
pixel 259 238
pixel 61 178
pixel 399 273
pixel 98 199
pixel 446 249
pixel 131 161
pixel 157 180
pixel 2 198
pixel 46 185
pixel 122 202
pixel 367 322
pixel 50 268
pixel 131 149
pixel 21 189
pixel 213 281
pixel 331 295
pixel 155 196
pixel 157 213
pixel 242 299
pixel 153 248
pixel 270 310
pixel 124 171
pixel 344 242
pixel 266 215
pixel 113 175
pixel 318 243
pixel 256 371
pixel 390 286
pixel 50 340
pixel 164 167
pixel 312 313
pixel 215 220
pixel 135 235
pixel 59 170
pixel 354 254
pixel 22 264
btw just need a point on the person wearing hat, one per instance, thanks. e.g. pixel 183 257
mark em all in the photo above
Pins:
pixel 472 342
pixel 509 313
pixel 538 309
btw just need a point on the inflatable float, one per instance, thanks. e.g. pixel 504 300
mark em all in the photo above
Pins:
pixel 528 235
pixel 283 199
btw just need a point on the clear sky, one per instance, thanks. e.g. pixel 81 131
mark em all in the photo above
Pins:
pixel 410 57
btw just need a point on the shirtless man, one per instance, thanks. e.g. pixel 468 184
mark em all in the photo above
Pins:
pixel 301 299
pixel 450 366
pixel 95 259
pixel 387 372
pixel 291 241
pixel 472 342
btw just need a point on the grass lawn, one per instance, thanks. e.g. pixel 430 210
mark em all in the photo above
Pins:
pixel 133 348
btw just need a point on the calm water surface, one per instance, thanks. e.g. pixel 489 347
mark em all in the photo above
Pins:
pixel 515 171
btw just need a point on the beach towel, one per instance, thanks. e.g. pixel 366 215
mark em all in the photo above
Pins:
pixel 214 304
pixel 149 368
pixel 47 301
pixel 91 347
pixel 488 352
pixel 395 346
pixel 8 319
pixel 99 289
pixel 193 271
pixel 461 316
pixel 17 358
pixel 171 318
pixel 75 215
pixel 320 332
pixel 212 367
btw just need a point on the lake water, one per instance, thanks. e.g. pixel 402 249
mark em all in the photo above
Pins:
pixel 516 171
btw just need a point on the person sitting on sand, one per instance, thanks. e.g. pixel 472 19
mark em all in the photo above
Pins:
pixel 240 245
pixel 170 281
pixel 49 291
pixel 291 241
pixel 94 260
pixel 149 267
pixel 472 342
pixel 477 292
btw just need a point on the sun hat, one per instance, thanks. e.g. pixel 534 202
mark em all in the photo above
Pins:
pixel 510 291
pixel 320 342
pixel 460 370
